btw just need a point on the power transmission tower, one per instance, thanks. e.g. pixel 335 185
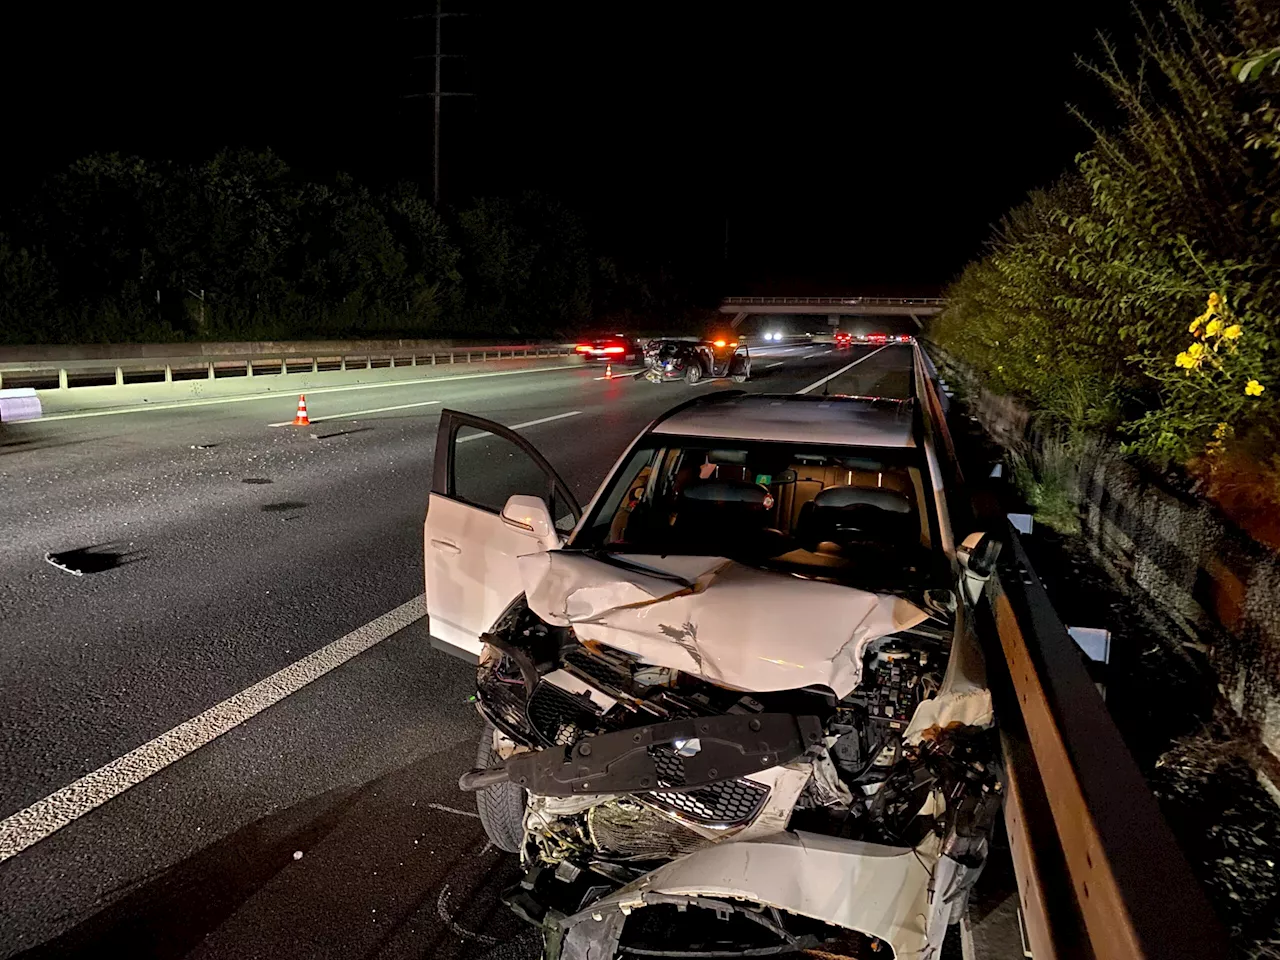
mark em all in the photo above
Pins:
pixel 439 56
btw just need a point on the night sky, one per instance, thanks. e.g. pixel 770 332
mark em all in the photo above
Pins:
pixel 852 148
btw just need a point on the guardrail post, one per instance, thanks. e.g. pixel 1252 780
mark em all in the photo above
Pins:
pixel 1 381
pixel 413 361
pixel 119 377
pixel 315 364
pixel 62 379
pixel 168 373
pixel 212 375
pixel 433 358
pixel 368 362
pixel 248 368
pixel 468 356
pixel 342 364
pixel 284 365
pixel 391 363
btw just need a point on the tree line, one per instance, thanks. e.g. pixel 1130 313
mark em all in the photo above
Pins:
pixel 1139 294
pixel 121 249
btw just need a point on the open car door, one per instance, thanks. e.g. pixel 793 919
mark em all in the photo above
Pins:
pixel 483 513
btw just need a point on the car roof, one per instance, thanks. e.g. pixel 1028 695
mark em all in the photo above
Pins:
pixel 848 421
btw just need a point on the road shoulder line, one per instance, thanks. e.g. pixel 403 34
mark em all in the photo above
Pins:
pixel 44 817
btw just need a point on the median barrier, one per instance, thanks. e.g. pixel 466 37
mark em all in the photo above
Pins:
pixel 63 384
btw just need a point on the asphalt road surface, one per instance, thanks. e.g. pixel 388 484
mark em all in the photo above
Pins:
pixel 161 796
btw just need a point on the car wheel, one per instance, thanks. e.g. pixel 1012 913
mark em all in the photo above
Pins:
pixel 744 376
pixel 501 807
pixel 693 374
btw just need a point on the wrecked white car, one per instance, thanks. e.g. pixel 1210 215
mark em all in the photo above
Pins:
pixel 739 709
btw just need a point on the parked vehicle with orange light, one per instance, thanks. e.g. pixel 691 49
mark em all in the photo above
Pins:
pixel 611 348
pixel 695 360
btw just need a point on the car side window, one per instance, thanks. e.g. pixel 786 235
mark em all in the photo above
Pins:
pixel 489 469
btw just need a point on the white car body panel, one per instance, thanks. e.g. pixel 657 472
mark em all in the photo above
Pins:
pixel 877 890
pixel 471 569
pixel 738 626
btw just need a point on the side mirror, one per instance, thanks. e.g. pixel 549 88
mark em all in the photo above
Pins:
pixel 529 515
pixel 978 554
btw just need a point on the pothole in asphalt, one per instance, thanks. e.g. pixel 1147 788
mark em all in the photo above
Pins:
pixel 282 506
pixel 97 558
pixel 255 480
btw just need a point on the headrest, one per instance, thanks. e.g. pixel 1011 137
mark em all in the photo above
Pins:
pixel 890 501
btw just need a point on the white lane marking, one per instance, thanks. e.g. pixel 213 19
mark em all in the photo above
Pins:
pixel 521 426
pixel 810 356
pixel 778 364
pixel 356 413
pixel 276 395
pixel 814 386
pixel 33 824
pixel 461 813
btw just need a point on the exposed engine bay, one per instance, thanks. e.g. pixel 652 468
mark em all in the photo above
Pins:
pixel 663 814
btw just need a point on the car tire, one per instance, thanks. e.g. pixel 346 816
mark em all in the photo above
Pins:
pixel 744 376
pixel 693 374
pixel 501 807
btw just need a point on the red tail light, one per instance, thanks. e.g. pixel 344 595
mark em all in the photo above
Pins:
pixel 615 349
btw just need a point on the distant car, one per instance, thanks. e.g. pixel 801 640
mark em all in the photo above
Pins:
pixel 774 335
pixel 844 338
pixel 694 360
pixel 905 338
pixel 611 348
pixel 877 338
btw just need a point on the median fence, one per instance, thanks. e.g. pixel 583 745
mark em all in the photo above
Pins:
pixel 74 378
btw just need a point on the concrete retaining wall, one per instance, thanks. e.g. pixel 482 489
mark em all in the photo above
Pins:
pixel 1204 582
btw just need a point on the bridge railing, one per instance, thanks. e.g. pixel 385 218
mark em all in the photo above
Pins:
pixel 837 301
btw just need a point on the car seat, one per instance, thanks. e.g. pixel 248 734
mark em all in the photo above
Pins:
pixel 844 516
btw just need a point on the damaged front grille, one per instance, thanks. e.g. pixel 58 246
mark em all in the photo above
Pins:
pixel 669 766
pixel 558 716
pixel 727 803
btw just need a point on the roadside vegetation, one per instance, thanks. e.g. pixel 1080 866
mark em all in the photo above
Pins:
pixel 120 249
pixel 1139 296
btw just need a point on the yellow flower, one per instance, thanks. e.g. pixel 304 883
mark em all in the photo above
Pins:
pixel 1195 325
pixel 1196 351
pixel 1184 360
pixel 1215 300
pixel 1232 332
pixel 1253 389
pixel 1221 430
pixel 1214 328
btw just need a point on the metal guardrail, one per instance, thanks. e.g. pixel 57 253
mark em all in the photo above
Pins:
pixel 837 301
pixel 1099 872
pixel 1080 816
pixel 121 371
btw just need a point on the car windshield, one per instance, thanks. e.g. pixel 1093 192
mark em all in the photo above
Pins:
pixel 858 515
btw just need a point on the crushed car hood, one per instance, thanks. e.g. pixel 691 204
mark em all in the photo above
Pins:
pixel 735 625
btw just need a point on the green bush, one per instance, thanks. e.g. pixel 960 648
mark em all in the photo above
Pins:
pixel 1085 302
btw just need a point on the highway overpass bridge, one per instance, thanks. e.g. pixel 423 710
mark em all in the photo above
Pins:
pixel 835 307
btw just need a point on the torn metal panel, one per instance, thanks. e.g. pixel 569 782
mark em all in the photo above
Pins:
pixel 880 891
pixel 700 625
pixel 963 697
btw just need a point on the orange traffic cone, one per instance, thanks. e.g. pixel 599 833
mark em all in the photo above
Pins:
pixel 608 371
pixel 301 419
